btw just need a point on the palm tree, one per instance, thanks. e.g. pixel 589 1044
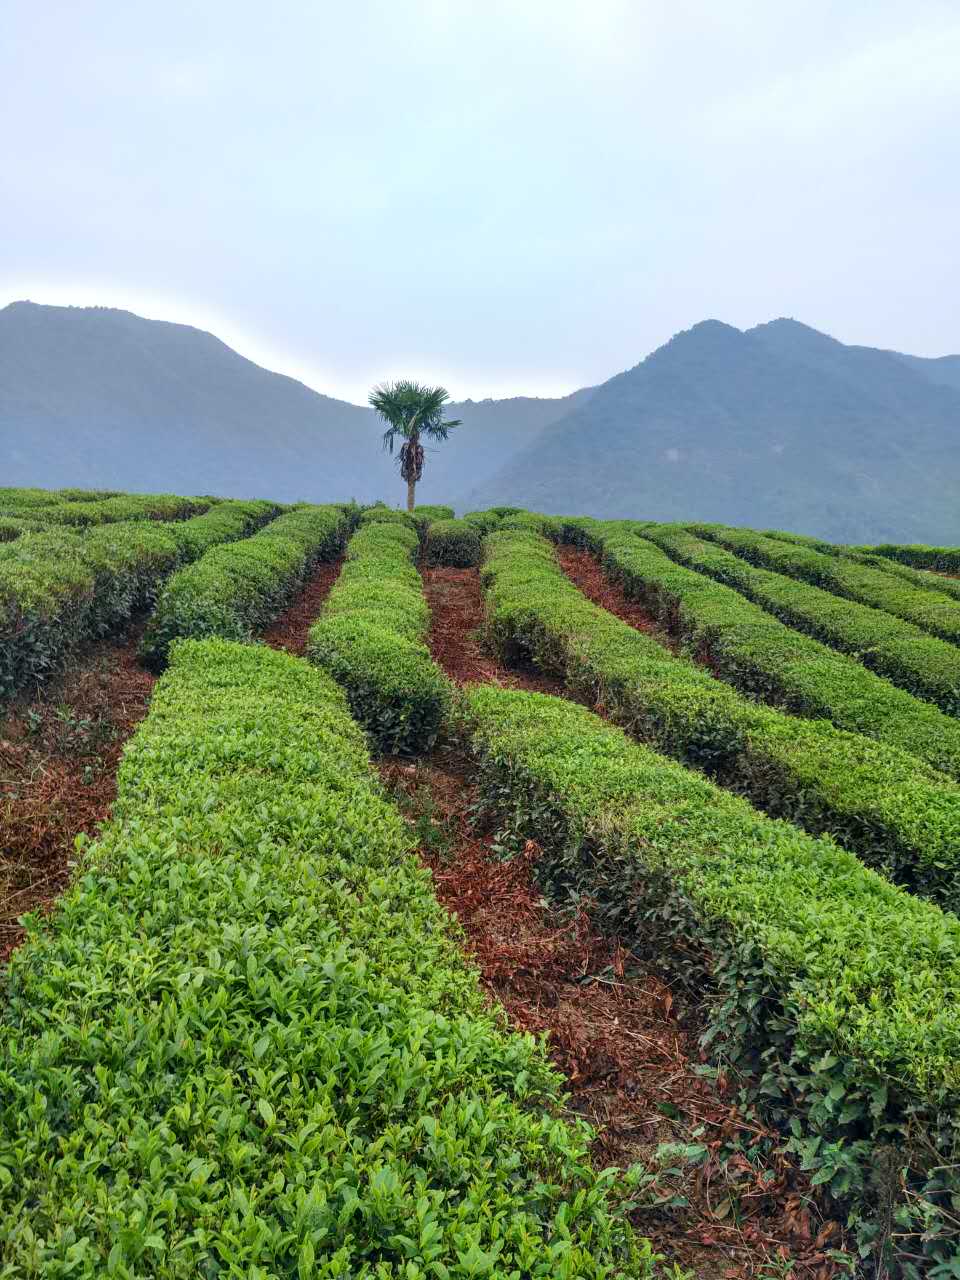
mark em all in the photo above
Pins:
pixel 411 411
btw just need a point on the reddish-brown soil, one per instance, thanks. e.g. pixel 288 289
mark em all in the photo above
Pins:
pixel 59 753
pixel 293 625
pixel 632 1070
pixel 456 604
pixel 584 572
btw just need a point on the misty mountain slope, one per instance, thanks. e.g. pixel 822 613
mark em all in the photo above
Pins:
pixel 777 426
pixel 104 398
pixel 880 381
pixel 780 425
pixel 492 431
pixel 98 397
pixel 942 369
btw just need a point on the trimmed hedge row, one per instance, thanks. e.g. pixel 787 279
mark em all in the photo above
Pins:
pixel 13 501
pixel 483 521
pixel 529 521
pixel 387 515
pixel 935 612
pixel 371 638
pixel 11 527
pixel 757 653
pixel 89 495
pixel 801 540
pixel 379 582
pixel 921 578
pixel 834 994
pixel 122 507
pixel 455 543
pixel 248 1042
pixel 923 664
pixel 235 591
pixel 28 498
pixel 867 555
pixel 425 515
pixel 919 556
pixel 226 522
pixel 60 589
pixel 900 815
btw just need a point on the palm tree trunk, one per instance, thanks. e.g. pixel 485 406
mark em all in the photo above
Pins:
pixel 411 488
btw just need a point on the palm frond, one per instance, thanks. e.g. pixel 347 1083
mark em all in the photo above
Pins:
pixel 440 430
pixel 411 411
pixel 409 407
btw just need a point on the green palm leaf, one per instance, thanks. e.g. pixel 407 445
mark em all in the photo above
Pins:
pixel 411 410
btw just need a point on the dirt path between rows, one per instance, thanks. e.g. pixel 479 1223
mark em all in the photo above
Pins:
pixel 717 1201
pixel 585 573
pixel 456 604
pixel 291 628
pixel 59 752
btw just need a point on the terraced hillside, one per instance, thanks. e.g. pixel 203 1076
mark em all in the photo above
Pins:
pixel 413 896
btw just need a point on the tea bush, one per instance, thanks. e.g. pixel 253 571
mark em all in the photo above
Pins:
pixel 248 1042
pixel 919 556
pixel 759 654
pixel 61 588
pixel 234 591
pixel 387 515
pixel 11 527
pixel 921 578
pixel 483 521
pixel 14 501
pixel 371 638
pixel 834 995
pixel 899 814
pixel 424 516
pixel 927 581
pixel 226 522
pixel 923 664
pixel 455 543
pixel 90 495
pixel 124 506
pixel 931 611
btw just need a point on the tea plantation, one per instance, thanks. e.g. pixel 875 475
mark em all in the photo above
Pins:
pixel 249 1041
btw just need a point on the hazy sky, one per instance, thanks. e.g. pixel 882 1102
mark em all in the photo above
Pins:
pixel 509 196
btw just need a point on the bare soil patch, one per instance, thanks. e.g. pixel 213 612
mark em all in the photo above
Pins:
pixel 291 628
pixel 585 572
pixel 59 752
pixel 456 603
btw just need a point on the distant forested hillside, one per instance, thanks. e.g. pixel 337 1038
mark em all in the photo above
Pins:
pixel 779 425
pixel 96 397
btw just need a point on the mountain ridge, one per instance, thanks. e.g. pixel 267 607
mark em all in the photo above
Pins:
pixel 104 398
pixel 779 424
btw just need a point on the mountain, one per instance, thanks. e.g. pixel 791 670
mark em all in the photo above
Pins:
pixel 492 431
pixel 942 369
pixel 777 426
pixel 95 397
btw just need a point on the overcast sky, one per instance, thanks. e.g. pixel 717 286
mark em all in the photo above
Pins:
pixel 508 195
